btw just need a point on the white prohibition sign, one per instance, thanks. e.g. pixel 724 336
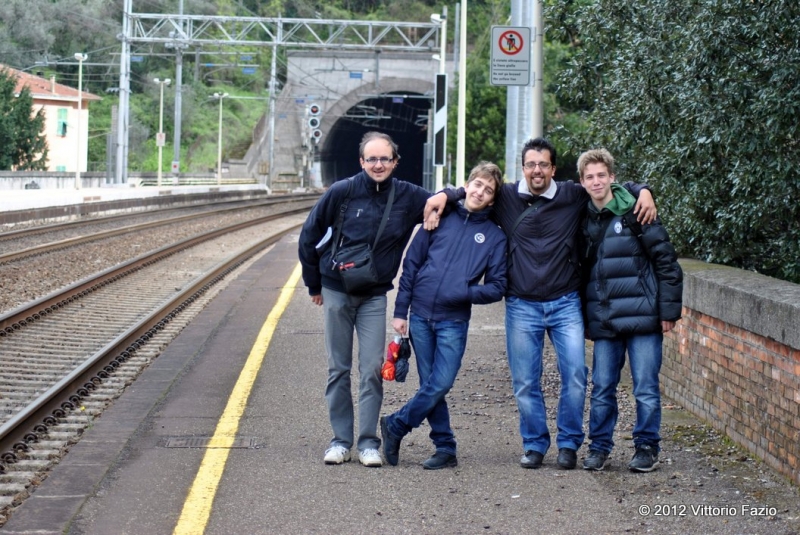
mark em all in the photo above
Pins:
pixel 511 55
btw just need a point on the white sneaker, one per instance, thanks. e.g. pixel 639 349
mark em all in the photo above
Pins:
pixel 370 457
pixel 337 455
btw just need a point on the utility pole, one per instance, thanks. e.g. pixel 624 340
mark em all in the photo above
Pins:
pixel 81 58
pixel 537 93
pixel 525 104
pixel 272 80
pixel 462 100
pixel 121 173
pixel 176 140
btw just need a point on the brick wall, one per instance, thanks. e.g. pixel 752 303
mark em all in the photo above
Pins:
pixel 734 360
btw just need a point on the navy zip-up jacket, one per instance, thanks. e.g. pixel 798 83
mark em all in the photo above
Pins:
pixel 443 269
pixel 360 225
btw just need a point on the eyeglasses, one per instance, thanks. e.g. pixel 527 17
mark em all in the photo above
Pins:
pixel 544 166
pixel 384 160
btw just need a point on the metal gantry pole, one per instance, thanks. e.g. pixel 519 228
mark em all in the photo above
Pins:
pixel 120 174
pixel 219 96
pixel 160 138
pixel 176 138
pixel 81 58
pixel 462 99
pixel 537 91
pixel 271 141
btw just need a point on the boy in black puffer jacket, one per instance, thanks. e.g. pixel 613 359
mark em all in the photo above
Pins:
pixel 633 294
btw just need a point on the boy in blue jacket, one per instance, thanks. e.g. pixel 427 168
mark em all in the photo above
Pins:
pixel 441 279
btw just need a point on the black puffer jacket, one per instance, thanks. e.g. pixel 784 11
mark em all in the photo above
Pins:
pixel 360 224
pixel 634 283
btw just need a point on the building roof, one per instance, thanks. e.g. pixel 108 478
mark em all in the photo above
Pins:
pixel 42 88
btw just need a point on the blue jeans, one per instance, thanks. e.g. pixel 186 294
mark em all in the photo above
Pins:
pixel 526 324
pixel 367 315
pixel 644 353
pixel 439 347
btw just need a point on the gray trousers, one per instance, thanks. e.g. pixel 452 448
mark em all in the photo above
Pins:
pixel 367 315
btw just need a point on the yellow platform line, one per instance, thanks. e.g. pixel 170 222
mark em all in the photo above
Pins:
pixel 197 508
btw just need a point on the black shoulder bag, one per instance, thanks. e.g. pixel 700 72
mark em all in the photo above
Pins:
pixel 355 263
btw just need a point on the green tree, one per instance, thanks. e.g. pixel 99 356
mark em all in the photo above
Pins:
pixel 22 142
pixel 701 99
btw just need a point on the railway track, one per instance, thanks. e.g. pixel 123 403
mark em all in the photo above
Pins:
pixel 31 241
pixel 64 357
pixel 30 269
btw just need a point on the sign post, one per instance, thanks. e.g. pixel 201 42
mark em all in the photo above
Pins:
pixel 511 55
pixel 440 122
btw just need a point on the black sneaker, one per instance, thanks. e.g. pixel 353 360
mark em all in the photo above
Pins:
pixel 645 459
pixel 531 459
pixel 567 458
pixel 391 444
pixel 440 460
pixel 596 460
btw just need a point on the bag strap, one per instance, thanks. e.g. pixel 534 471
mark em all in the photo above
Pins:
pixel 629 220
pixel 591 249
pixel 343 209
pixel 632 223
pixel 636 228
pixel 532 208
pixel 385 217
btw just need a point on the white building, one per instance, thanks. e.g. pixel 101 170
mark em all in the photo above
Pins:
pixel 62 119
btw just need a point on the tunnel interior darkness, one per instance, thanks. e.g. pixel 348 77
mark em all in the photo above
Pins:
pixel 404 116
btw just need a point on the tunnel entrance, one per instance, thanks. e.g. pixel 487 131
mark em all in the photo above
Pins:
pixel 402 115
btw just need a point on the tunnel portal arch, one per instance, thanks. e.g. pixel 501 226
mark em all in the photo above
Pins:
pixel 397 106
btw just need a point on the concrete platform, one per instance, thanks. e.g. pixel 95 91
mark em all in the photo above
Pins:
pixel 42 198
pixel 125 477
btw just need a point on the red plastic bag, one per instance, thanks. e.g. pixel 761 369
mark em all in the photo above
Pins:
pixel 387 372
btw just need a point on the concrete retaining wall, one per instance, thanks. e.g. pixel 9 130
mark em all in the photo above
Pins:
pixel 66 204
pixel 734 359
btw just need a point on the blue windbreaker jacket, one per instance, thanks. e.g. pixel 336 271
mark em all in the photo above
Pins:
pixel 442 270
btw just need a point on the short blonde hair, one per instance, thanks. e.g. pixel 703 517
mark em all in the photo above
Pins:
pixel 595 156
pixel 488 170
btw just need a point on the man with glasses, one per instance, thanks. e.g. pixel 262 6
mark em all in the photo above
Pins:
pixel 365 197
pixel 541 219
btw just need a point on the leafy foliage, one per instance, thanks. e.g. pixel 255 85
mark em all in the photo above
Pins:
pixel 701 99
pixel 22 142
pixel 39 30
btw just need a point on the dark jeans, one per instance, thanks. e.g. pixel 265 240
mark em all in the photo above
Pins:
pixel 438 347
